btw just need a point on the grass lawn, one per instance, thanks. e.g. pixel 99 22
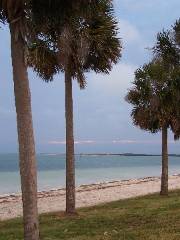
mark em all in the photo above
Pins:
pixel 151 217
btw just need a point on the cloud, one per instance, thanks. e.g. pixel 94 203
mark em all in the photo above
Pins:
pixel 117 141
pixel 140 141
pixel 128 32
pixel 122 74
pixel 76 142
pixel 116 83
pixel 142 5
pixel 135 42
pixel 123 141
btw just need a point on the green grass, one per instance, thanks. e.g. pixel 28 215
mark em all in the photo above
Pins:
pixel 147 218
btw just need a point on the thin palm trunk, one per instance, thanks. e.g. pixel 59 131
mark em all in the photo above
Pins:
pixel 70 160
pixel 25 137
pixel 164 176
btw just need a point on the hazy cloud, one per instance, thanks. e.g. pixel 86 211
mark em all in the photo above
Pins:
pixel 76 142
pixel 128 32
pixel 122 141
pixel 117 82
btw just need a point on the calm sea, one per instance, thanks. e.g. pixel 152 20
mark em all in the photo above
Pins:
pixel 89 169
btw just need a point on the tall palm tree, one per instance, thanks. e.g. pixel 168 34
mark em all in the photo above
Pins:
pixel 86 40
pixel 12 12
pixel 154 110
pixel 159 109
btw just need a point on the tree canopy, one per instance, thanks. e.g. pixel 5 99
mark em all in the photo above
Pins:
pixel 153 99
pixel 156 92
pixel 88 39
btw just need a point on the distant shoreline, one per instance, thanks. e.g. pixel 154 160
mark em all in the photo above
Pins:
pixel 102 154
pixel 113 154
pixel 125 154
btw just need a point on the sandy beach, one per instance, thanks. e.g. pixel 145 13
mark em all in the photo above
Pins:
pixel 86 195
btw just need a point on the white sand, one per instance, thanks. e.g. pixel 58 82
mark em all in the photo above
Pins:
pixel 86 195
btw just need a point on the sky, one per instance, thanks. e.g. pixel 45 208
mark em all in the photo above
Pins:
pixel 102 122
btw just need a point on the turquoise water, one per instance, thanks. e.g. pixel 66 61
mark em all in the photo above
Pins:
pixel 89 169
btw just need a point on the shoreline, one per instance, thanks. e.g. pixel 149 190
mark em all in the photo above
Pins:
pixel 98 193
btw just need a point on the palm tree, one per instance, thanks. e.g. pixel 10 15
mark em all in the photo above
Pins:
pixel 152 98
pixel 86 40
pixel 176 29
pixel 12 12
pixel 75 45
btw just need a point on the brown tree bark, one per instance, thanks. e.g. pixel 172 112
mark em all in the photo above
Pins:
pixel 25 137
pixel 70 160
pixel 164 176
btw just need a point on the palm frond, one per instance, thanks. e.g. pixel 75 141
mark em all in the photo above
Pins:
pixel 43 60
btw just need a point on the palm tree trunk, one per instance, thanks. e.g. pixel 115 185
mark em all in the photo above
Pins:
pixel 70 160
pixel 25 137
pixel 164 176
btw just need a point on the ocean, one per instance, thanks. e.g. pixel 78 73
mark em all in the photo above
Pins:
pixel 89 169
